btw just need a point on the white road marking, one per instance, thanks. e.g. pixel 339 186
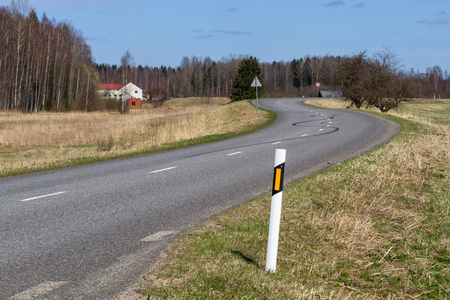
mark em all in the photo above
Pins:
pixel 276 143
pixel 162 170
pixel 157 236
pixel 304 135
pixel 43 196
pixel 321 129
pixel 234 153
pixel 330 122
pixel 39 290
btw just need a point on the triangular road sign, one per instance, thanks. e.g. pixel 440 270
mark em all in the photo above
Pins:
pixel 256 82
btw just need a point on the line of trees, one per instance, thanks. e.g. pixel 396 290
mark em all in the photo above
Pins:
pixel 44 65
pixel 201 77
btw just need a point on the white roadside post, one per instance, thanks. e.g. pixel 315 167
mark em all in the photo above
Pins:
pixel 275 210
pixel 256 84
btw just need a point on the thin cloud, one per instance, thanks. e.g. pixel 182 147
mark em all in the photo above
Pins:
pixel 236 32
pixel 230 32
pixel 233 9
pixel 335 3
pixel 443 13
pixel 206 36
pixel 435 21
pixel 359 5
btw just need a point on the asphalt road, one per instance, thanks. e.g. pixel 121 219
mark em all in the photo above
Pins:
pixel 91 232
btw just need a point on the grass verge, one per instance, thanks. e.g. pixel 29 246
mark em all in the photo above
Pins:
pixel 374 227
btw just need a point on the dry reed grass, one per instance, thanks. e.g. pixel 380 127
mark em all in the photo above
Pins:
pixel 79 128
pixel 35 141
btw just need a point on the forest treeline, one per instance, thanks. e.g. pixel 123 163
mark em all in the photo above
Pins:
pixel 44 65
pixel 47 65
pixel 204 77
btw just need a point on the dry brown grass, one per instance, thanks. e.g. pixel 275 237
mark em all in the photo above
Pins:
pixel 33 141
pixel 332 104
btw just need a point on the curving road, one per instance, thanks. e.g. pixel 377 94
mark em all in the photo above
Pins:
pixel 90 232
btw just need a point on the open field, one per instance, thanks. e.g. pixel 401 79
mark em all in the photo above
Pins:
pixel 374 227
pixel 31 142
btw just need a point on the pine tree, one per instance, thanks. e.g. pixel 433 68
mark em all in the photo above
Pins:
pixel 247 71
pixel 297 66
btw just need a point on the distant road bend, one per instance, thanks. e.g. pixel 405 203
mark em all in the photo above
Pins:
pixel 91 232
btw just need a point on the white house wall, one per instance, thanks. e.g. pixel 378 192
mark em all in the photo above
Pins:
pixel 131 91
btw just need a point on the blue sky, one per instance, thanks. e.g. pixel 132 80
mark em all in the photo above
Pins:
pixel 162 32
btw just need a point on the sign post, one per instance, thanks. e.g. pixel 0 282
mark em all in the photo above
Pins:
pixel 275 210
pixel 317 85
pixel 256 83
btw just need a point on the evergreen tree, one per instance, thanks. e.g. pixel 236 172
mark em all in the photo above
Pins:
pixel 307 74
pixel 297 66
pixel 242 88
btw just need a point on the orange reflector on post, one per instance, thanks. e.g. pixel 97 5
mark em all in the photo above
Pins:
pixel 278 179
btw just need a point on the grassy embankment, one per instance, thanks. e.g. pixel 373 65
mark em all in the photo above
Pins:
pixel 43 141
pixel 374 227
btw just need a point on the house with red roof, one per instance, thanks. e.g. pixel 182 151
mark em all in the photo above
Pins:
pixel 119 92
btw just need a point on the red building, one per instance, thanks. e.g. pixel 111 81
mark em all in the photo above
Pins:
pixel 134 103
